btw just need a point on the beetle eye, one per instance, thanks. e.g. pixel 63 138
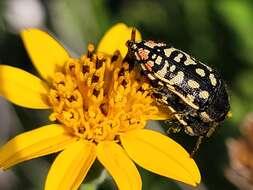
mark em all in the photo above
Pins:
pixel 129 43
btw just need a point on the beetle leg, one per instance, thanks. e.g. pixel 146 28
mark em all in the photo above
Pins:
pixel 173 129
pixel 183 113
pixel 173 126
pixel 195 149
pixel 157 89
pixel 211 130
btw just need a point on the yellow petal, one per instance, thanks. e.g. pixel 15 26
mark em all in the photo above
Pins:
pixel 122 169
pixel 115 39
pixel 71 166
pixel 46 53
pixel 22 88
pixel 160 154
pixel 39 142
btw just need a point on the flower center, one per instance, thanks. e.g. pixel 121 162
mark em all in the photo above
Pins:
pixel 97 97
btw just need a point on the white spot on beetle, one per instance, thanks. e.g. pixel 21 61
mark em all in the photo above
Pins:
pixel 213 79
pixel 178 57
pixel 151 77
pixel 158 60
pixel 150 44
pixel 205 117
pixel 193 84
pixel 168 51
pixel 204 94
pixel 190 98
pixel 134 46
pixel 178 79
pixel 172 68
pixel 161 44
pixel 162 72
pixel 189 61
pixel 160 83
pixel 189 130
pixel 154 56
pixel 200 72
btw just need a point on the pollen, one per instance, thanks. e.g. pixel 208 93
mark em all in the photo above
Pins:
pixel 97 97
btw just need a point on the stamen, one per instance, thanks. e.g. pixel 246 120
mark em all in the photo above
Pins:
pixel 141 89
pixel 91 49
pixel 86 69
pixel 54 97
pixel 104 108
pixel 73 99
pixel 124 83
pixel 115 56
pixel 95 79
pixel 96 92
pixel 59 79
pixel 99 62
pixel 121 72
pixel 70 67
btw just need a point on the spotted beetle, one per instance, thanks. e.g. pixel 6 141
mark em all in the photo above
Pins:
pixel 194 92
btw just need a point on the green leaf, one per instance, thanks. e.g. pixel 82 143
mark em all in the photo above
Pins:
pixel 239 14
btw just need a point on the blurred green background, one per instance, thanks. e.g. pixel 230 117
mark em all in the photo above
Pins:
pixel 218 32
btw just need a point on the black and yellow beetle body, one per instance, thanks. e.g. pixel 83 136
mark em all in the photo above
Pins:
pixel 193 91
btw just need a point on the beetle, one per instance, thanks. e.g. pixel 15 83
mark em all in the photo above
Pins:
pixel 194 92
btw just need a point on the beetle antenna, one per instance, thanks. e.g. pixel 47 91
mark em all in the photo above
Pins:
pixel 133 34
pixel 199 141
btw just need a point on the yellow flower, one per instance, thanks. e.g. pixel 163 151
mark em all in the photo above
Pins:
pixel 99 107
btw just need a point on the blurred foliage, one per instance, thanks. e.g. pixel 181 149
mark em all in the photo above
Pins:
pixel 219 33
